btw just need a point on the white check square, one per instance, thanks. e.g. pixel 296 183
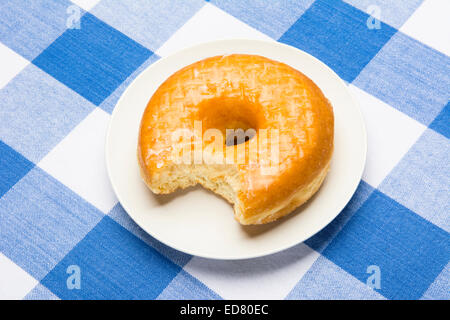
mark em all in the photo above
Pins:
pixel 390 134
pixel 11 63
pixel 208 24
pixel 86 4
pixel 78 161
pixel 15 282
pixel 430 24
pixel 270 277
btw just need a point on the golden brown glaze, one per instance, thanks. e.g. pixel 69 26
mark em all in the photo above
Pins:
pixel 243 91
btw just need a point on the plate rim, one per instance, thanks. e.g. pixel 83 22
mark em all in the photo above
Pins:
pixel 263 253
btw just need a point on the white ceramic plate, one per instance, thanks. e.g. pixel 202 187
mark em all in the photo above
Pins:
pixel 197 221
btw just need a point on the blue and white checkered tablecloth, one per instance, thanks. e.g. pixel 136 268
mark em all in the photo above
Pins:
pixel 63 66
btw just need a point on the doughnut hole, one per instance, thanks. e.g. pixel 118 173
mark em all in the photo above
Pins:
pixel 237 119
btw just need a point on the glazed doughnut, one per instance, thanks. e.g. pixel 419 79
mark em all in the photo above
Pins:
pixel 185 128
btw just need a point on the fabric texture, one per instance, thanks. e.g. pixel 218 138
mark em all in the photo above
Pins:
pixel 66 65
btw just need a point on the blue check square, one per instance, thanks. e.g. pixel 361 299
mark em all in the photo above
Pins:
pixel 394 13
pixel 409 251
pixel 119 215
pixel 13 166
pixel 441 123
pixel 113 264
pixel 92 60
pixel 439 290
pixel 41 221
pixel 337 33
pixel 321 239
pixel 110 103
